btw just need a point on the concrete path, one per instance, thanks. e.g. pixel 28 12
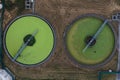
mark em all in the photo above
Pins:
pixel 118 66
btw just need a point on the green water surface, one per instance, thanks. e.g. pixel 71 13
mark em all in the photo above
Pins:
pixel 44 39
pixel 76 41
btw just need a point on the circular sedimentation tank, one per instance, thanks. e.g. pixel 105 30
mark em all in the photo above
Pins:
pixel 80 32
pixel 36 33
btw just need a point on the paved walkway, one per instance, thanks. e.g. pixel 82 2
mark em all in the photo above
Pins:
pixel 118 67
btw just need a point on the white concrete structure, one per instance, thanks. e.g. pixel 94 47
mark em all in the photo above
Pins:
pixel 110 70
pixel 4 75
pixel 29 4
pixel 1 6
pixel 32 0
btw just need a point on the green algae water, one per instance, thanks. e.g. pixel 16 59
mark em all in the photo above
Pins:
pixel 76 41
pixel 44 39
